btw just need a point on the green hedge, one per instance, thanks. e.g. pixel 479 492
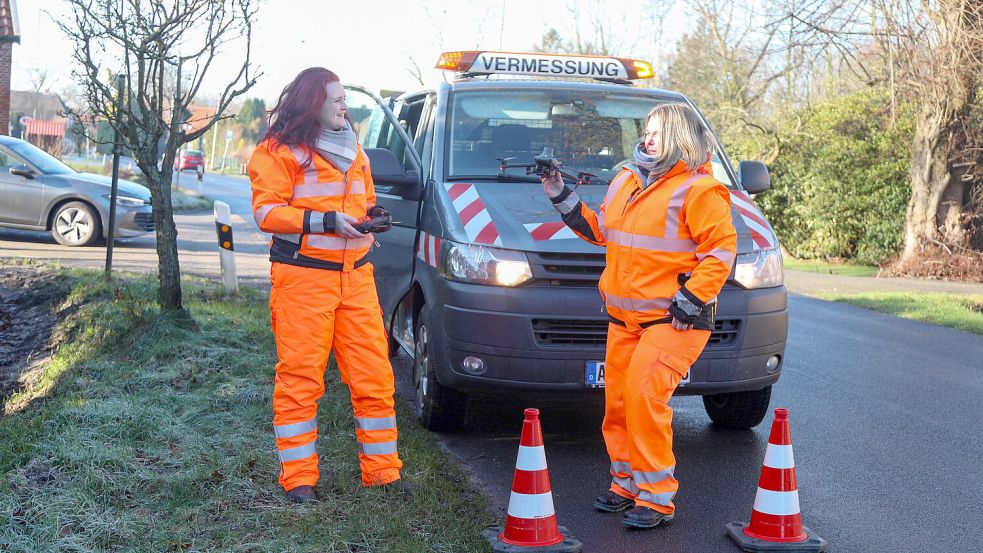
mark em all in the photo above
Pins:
pixel 840 184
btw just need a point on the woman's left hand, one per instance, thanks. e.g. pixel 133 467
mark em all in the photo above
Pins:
pixel 679 325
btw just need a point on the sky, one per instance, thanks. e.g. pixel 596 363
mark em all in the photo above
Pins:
pixel 367 42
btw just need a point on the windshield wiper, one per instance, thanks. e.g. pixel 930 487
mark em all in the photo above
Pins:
pixel 497 178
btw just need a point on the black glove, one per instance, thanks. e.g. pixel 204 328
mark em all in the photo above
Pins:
pixel 685 309
pixel 378 219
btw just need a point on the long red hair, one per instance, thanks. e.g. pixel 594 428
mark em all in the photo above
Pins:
pixel 293 120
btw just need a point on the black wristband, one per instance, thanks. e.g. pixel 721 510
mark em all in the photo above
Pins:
pixel 563 195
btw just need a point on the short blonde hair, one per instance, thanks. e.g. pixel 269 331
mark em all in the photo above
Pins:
pixel 682 136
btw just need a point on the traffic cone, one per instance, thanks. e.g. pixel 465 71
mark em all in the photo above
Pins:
pixel 776 522
pixel 530 525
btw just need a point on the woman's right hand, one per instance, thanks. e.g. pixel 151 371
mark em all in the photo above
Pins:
pixel 552 184
pixel 343 226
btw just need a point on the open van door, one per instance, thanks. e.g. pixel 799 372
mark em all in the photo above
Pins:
pixel 396 174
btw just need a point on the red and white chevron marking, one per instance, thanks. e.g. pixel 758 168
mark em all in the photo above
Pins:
pixel 428 249
pixel 549 231
pixel 478 224
pixel 762 235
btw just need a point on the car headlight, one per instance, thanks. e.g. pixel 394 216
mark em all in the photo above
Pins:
pixel 760 269
pixel 484 265
pixel 128 201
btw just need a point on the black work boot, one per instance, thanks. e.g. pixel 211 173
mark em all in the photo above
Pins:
pixel 301 494
pixel 644 517
pixel 610 502
pixel 398 487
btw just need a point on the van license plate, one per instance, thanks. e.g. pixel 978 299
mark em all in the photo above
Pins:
pixel 595 374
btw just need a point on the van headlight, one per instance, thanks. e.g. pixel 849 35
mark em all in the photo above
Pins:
pixel 484 265
pixel 760 269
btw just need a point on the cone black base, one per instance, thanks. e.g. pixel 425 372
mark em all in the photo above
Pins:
pixel 569 544
pixel 812 544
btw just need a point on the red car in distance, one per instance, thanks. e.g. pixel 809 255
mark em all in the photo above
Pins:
pixel 189 159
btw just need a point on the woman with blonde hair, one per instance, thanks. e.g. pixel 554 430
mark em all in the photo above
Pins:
pixel 666 225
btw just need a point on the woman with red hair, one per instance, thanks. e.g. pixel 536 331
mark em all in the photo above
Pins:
pixel 311 187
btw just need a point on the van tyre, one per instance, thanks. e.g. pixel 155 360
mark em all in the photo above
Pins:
pixel 76 224
pixel 437 407
pixel 741 410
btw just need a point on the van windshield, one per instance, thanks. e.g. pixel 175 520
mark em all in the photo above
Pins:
pixel 588 131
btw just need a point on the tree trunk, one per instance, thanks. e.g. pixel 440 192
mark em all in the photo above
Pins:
pixel 168 266
pixel 934 212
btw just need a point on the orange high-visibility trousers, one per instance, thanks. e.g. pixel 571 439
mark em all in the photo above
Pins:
pixel 641 371
pixel 314 312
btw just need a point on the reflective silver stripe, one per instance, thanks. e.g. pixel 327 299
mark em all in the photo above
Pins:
pixel 297 453
pixel 317 221
pixel 722 254
pixel 336 149
pixel 381 423
pixel 615 185
pixel 358 187
pixel 295 238
pixel 620 467
pixel 663 499
pixel 637 304
pixel 653 243
pixel 600 223
pixel 316 189
pixel 336 243
pixel 260 214
pixel 676 206
pixel 567 205
pixel 652 477
pixel 381 448
pixel 310 172
pixel 626 484
pixel 295 429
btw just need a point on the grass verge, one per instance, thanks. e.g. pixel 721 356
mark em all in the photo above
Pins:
pixel 962 312
pixel 830 268
pixel 151 432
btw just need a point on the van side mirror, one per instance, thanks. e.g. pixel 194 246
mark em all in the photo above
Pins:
pixel 387 171
pixel 22 171
pixel 754 176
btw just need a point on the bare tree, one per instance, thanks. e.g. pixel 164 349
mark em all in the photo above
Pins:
pixel 165 48
pixel 930 53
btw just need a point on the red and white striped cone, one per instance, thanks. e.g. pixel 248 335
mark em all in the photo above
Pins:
pixel 776 521
pixel 530 525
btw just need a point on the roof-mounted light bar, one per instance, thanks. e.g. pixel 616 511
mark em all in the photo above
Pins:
pixel 474 62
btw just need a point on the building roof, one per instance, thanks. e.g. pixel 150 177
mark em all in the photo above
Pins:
pixel 9 27
pixel 37 127
pixel 36 104
pixel 200 116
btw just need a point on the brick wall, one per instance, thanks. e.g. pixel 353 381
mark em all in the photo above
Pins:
pixel 5 62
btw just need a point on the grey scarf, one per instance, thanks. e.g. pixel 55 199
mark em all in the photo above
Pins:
pixel 338 147
pixel 650 166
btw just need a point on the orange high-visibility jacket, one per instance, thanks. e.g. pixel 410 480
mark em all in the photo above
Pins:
pixel 677 229
pixel 295 195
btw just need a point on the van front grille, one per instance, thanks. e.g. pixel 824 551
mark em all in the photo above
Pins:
pixel 566 269
pixel 593 333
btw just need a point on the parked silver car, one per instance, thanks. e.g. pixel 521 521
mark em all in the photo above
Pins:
pixel 39 192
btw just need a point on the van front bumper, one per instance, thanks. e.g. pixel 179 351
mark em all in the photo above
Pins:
pixel 541 339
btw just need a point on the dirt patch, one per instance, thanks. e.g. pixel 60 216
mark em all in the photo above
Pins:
pixel 940 262
pixel 28 297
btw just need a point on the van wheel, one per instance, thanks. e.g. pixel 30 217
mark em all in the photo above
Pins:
pixel 437 407
pixel 76 224
pixel 740 410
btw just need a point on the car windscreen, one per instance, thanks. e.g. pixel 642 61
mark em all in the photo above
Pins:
pixel 40 159
pixel 588 131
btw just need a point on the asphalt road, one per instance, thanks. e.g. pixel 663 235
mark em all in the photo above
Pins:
pixel 885 416
pixel 197 244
